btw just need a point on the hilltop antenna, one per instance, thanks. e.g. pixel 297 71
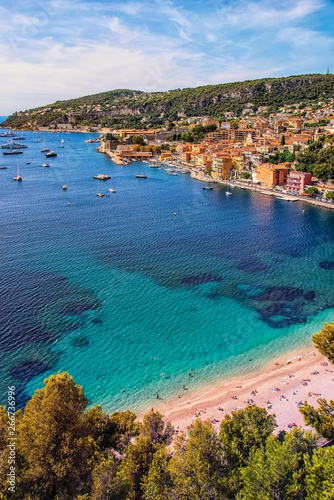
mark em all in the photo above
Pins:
pixel 327 70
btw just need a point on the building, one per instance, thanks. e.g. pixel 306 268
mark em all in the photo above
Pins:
pixel 221 165
pixel 296 182
pixel 270 175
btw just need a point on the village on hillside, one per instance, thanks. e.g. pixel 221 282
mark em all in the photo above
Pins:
pixel 253 151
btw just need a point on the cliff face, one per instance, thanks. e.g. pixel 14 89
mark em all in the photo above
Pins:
pixel 128 107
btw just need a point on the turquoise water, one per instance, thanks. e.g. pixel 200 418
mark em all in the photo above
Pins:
pixel 119 290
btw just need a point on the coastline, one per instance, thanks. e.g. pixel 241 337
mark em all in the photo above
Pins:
pixel 199 176
pixel 302 374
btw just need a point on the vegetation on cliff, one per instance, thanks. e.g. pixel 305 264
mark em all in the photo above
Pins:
pixel 318 158
pixel 130 108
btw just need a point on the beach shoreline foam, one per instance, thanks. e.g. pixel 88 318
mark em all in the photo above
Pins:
pixel 299 375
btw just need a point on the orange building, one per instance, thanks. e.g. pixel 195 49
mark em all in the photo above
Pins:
pixel 271 175
pixel 221 165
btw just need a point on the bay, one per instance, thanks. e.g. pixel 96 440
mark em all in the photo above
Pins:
pixel 160 277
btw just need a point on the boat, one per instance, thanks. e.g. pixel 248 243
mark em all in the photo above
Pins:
pixel 18 177
pixel 61 144
pixel 45 150
pixel 3 168
pixel 8 134
pixel 19 138
pixel 207 187
pixel 112 190
pixel 13 145
pixel 45 165
pixel 51 154
pixel 28 162
pixel 14 152
pixel 100 195
pixel 64 187
pixel 102 177
pixel 228 193
pixel 141 176
pixel 171 171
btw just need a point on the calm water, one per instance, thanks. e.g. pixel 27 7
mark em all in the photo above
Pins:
pixel 118 290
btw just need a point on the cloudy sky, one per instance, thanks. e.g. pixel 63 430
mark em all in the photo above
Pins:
pixel 57 49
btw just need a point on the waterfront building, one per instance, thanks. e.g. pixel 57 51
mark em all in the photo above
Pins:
pixel 270 175
pixel 296 181
pixel 221 165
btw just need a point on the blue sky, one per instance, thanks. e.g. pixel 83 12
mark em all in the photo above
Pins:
pixel 57 49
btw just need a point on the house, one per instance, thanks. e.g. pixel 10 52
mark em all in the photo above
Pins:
pixel 221 165
pixel 270 175
pixel 296 181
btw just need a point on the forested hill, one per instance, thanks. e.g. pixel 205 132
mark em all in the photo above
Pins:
pixel 125 108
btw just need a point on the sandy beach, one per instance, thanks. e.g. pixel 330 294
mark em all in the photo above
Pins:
pixel 280 387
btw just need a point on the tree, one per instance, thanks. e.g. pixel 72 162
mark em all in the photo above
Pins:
pixel 197 468
pixel 136 466
pixel 243 431
pixel 138 139
pixel 311 190
pixel 277 471
pixel 158 484
pixel 324 341
pixel 55 450
pixel 283 140
pixel 320 474
pixel 330 195
pixel 245 175
pixel 322 418
pixel 155 429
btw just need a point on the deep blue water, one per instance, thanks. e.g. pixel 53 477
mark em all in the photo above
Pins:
pixel 118 290
pixel 3 118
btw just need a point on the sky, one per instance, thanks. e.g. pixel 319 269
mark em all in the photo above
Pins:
pixel 58 49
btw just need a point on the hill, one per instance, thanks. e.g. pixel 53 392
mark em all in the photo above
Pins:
pixel 132 108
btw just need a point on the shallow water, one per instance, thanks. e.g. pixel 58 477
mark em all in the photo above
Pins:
pixel 119 290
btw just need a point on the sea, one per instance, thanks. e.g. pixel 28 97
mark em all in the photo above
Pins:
pixel 133 291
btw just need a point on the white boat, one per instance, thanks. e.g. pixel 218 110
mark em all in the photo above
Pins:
pixel 207 187
pixel 18 177
pixel 61 144
pixel 228 193
pixel 111 189
pixel 13 145
pixel 45 165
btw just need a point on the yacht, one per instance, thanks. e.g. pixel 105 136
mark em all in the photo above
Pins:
pixel 13 152
pixel 8 134
pixel 102 177
pixel 51 154
pixel 13 145
pixel 228 193
pixel 141 176
pixel 207 187
pixel 45 165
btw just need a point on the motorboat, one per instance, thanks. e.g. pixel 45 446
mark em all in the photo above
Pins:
pixel 102 177
pixel 228 193
pixel 207 187
pixel 18 176
pixel 51 154
pixel 45 165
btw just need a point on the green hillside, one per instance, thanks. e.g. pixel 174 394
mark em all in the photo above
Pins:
pixel 132 108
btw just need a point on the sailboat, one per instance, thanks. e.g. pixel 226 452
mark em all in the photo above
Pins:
pixel 111 189
pixel 61 143
pixel 141 176
pixel 18 177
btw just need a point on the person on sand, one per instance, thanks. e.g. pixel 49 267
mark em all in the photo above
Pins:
pixel 158 396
